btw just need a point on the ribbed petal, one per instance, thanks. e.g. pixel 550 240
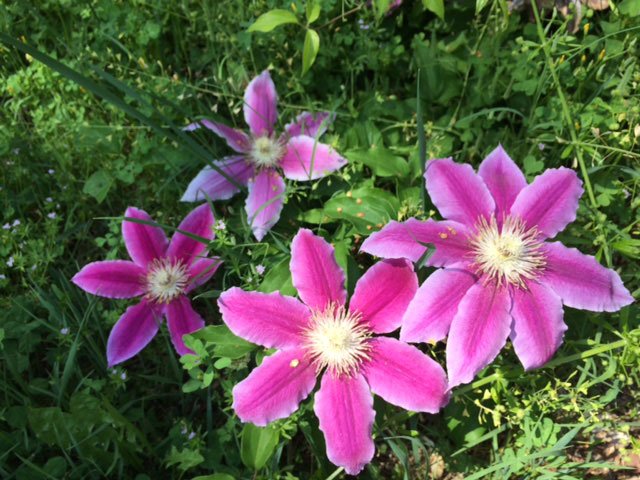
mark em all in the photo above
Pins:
pixel 260 105
pixel 236 139
pixel 268 319
pixel 550 202
pixel 135 329
pixel 209 183
pixel 344 407
pixel 144 242
pixel 307 159
pixel 404 376
pixel 478 332
pixel 112 279
pixel 430 313
pixel 182 319
pixel 538 327
pixel 457 192
pixel 274 389
pixel 201 271
pixel 581 282
pixel 198 222
pixel 314 271
pixel 310 124
pixel 264 202
pixel 383 293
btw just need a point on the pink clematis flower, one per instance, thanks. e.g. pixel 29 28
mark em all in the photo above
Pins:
pixel 162 273
pixel 262 153
pixel 320 333
pixel 500 276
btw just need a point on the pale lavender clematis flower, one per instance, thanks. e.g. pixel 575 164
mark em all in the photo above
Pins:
pixel 162 273
pixel 262 154
pixel 320 333
pixel 500 276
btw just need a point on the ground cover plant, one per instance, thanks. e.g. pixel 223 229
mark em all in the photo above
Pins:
pixel 331 232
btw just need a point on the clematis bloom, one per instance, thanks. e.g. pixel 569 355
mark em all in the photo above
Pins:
pixel 162 273
pixel 319 333
pixel 261 154
pixel 499 277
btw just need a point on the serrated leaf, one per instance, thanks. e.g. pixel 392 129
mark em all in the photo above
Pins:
pixel 272 19
pixel 257 445
pixel 435 6
pixel 310 49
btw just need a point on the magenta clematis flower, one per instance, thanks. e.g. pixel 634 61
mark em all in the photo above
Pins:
pixel 162 273
pixel 320 333
pixel 500 276
pixel 261 154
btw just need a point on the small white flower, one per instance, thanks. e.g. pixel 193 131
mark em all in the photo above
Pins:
pixel 51 171
pixel 3 276
pixel 33 267
pixel 48 199
pixel 260 269
pixel 123 376
pixel 64 331
pixel 220 225
pixel 6 226
pixel 192 435
pixel 10 262
pixel 541 146
pixel 52 215
pixel 16 222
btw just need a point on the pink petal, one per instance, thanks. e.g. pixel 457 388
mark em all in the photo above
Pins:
pixel 314 271
pixel 581 282
pixel 144 243
pixel 307 159
pixel 274 389
pixel 404 376
pixel 383 293
pixel 198 222
pixel 236 139
pixel 537 324
pixel 260 105
pixel 211 184
pixel 478 332
pixel 182 319
pixel 135 329
pixel 406 239
pixel 201 271
pixel 430 313
pixel 344 407
pixel 550 202
pixel 268 319
pixel 265 201
pixel 457 192
pixel 112 279
pixel 311 124
pixel 503 179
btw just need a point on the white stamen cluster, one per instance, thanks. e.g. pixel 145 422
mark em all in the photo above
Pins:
pixel 266 151
pixel 508 255
pixel 166 280
pixel 337 340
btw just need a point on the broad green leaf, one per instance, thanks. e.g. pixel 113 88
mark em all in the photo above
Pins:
pixel 313 11
pixel 98 185
pixel 272 19
pixel 630 8
pixel 257 445
pixel 435 6
pixel 310 49
pixel 381 160
pixel 278 279
pixel 226 344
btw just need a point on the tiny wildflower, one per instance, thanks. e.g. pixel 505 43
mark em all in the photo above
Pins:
pixel 16 222
pixel 6 226
pixel 64 331
pixel 52 215
pixel 48 199
pixel 10 262
pixel 191 436
pixel 220 225
pixel 3 276
pixel 51 171
pixel 123 376
pixel 260 269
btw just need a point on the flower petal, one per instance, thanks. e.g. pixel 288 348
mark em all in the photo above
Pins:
pixel 406 239
pixel 268 319
pixel 265 201
pixel 135 329
pixel 537 324
pixel 274 389
pixel 404 376
pixel 311 124
pixel 503 179
pixel 315 272
pixel 307 159
pixel 201 271
pixel 210 183
pixel 550 202
pixel 182 319
pixel 478 332
pixel 430 313
pixel 112 279
pixel 344 407
pixel 198 222
pixel 236 139
pixel 581 282
pixel 383 293
pixel 261 105
pixel 457 192
pixel 144 243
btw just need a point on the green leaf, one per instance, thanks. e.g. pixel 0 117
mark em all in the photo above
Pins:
pixel 630 8
pixel 381 160
pixel 435 6
pixel 480 4
pixel 272 19
pixel 98 185
pixel 313 11
pixel 257 445
pixel 225 343
pixel 278 279
pixel 310 49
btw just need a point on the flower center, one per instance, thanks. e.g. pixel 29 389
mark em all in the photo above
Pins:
pixel 507 255
pixel 337 340
pixel 266 152
pixel 166 280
